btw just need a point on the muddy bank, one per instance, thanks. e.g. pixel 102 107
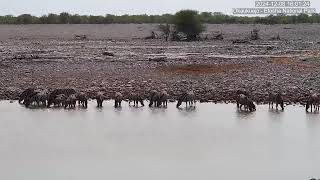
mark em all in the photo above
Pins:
pixel 214 70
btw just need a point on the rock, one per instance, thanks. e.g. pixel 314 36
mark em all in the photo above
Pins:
pixel 218 37
pixel 269 48
pixel 106 53
pixel 241 41
pixel 80 37
pixel 158 59
pixel 204 100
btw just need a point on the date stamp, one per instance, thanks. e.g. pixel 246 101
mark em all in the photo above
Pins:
pixel 278 7
pixel 282 4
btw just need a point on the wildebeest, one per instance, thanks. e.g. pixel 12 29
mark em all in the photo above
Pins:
pixel 277 99
pixel 163 99
pixel 39 97
pixel 30 99
pixel 26 94
pixel 248 104
pixel 313 102
pixel 71 101
pixel 82 99
pixel 118 99
pixel 60 100
pixel 42 97
pixel 136 98
pixel 100 97
pixel 187 97
pixel 56 92
pixel 154 99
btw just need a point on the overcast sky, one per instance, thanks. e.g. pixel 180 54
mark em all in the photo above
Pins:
pixel 119 7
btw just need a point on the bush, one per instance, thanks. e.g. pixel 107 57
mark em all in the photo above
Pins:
pixel 255 34
pixel 189 23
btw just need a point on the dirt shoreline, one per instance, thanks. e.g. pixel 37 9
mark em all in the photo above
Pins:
pixel 214 70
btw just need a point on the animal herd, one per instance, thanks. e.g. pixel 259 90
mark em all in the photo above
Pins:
pixel 68 98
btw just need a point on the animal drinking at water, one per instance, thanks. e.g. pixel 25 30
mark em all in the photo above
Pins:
pixel 188 98
pixel 244 101
pixel 277 99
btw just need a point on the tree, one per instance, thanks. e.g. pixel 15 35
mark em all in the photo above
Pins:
pixel 43 19
pixel 75 19
pixel 303 18
pixel 96 19
pixel 24 19
pixel 165 29
pixel 109 18
pixel 189 23
pixel 52 19
pixel 8 19
pixel 206 16
pixel 64 18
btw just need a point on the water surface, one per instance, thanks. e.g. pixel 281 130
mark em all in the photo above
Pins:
pixel 209 142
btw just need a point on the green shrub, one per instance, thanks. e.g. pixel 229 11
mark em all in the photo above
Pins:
pixel 189 23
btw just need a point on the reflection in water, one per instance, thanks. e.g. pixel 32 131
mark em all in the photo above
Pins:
pixel 275 114
pixel 245 115
pixel 187 111
pixel 313 120
pixel 313 113
pixel 211 141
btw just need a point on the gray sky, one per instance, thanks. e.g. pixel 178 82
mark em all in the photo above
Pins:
pixel 102 7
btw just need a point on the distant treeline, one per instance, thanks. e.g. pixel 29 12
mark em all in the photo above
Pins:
pixel 206 17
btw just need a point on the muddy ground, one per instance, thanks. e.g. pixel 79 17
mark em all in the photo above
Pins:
pixel 48 56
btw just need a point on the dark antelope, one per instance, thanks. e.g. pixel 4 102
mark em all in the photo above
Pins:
pixel 154 99
pixel 187 97
pixel 313 102
pixel 136 98
pixel 82 100
pixel 100 98
pixel 248 104
pixel 118 99
pixel 55 93
pixel 277 99
pixel 71 101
